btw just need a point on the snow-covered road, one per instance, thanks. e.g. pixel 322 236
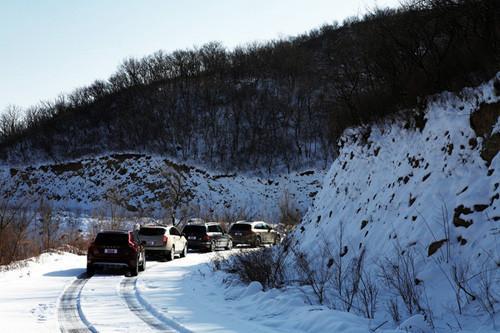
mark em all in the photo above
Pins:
pixel 53 294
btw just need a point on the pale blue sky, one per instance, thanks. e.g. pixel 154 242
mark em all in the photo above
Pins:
pixel 48 47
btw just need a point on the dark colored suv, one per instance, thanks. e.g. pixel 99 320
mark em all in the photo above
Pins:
pixel 116 249
pixel 207 236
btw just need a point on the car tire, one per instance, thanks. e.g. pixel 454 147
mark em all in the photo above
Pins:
pixel 184 251
pixel 90 270
pixel 171 254
pixel 229 245
pixel 277 240
pixel 142 266
pixel 257 242
pixel 134 271
pixel 212 246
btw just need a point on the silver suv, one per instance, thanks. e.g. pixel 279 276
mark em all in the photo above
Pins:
pixel 253 233
pixel 163 242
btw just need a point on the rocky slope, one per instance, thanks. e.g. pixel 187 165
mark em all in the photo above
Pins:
pixel 137 184
pixel 427 192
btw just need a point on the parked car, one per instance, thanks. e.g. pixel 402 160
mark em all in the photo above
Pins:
pixel 253 233
pixel 116 249
pixel 163 242
pixel 207 236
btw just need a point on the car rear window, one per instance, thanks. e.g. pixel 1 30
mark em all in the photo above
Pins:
pixel 240 227
pixel 111 239
pixel 145 231
pixel 194 229
pixel 214 228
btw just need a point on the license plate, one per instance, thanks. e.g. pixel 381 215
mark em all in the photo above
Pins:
pixel 237 233
pixel 110 251
pixel 152 243
pixel 192 237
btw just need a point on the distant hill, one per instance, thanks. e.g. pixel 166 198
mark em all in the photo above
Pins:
pixel 280 105
pixel 142 185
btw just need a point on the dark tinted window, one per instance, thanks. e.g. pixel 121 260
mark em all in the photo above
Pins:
pixel 111 239
pixel 240 227
pixel 194 229
pixel 174 232
pixel 214 228
pixel 145 231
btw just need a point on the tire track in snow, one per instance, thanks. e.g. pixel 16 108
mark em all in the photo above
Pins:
pixel 146 312
pixel 69 312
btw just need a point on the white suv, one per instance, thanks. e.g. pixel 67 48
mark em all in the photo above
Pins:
pixel 163 242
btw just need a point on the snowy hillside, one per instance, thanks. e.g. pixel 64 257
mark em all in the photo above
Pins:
pixel 430 196
pixel 137 181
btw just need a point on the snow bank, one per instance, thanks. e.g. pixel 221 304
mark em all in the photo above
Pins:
pixel 395 188
pixel 30 292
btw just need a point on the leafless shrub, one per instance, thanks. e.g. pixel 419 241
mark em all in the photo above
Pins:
pixel 399 274
pixel 460 277
pixel 318 273
pixel 352 281
pixel 219 263
pixel 368 295
pixel 265 265
pixel 488 295
pixel 15 220
pixel 393 310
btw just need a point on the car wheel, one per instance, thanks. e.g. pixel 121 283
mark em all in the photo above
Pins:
pixel 212 246
pixel 229 245
pixel 184 251
pixel 90 270
pixel 257 242
pixel 277 240
pixel 134 271
pixel 142 266
pixel 171 254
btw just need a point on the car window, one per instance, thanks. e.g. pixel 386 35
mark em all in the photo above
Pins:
pixel 259 226
pixel 241 227
pixel 174 231
pixel 111 239
pixel 194 229
pixel 149 231
pixel 214 228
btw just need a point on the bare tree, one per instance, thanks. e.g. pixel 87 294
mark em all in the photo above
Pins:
pixel 48 225
pixel 289 213
pixel 175 193
pixel 10 121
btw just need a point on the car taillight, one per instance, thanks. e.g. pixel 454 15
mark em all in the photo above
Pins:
pixel 132 247
pixel 165 239
pixel 206 237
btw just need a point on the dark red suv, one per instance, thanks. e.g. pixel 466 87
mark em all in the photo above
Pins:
pixel 116 249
